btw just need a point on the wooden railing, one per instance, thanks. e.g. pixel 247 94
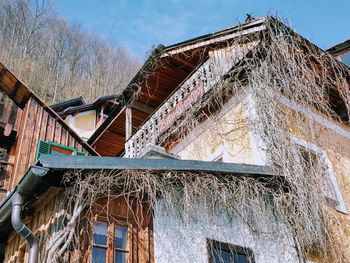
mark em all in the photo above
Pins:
pixel 190 91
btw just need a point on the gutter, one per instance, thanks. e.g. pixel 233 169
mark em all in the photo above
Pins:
pixel 12 205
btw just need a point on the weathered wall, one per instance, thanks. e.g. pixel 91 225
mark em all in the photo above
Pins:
pixel 232 137
pixel 332 139
pixel 178 241
pixel 227 136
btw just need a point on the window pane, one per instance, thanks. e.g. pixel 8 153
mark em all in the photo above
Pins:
pixel 121 237
pixel 241 258
pixel 100 233
pixel 222 256
pixel 120 257
pixel 98 255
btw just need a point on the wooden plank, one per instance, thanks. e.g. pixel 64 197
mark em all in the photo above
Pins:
pixel 151 241
pixel 143 244
pixel 29 132
pixel 137 105
pixel 15 89
pixel 43 127
pixel 36 134
pixel 22 133
pixel 57 130
pixel 64 137
pixel 50 129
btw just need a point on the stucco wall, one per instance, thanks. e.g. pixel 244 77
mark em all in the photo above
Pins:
pixel 178 241
pixel 236 142
pixel 228 136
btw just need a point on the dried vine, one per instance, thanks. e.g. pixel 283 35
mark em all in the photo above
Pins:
pixel 282 68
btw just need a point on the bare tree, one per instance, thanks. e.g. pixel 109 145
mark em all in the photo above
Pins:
pixel 59 60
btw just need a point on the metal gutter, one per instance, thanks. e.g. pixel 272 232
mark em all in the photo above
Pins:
pixel 116 163
pixel 25 187
pixel 12 205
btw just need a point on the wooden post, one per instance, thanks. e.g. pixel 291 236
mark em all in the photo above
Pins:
pixel 128 124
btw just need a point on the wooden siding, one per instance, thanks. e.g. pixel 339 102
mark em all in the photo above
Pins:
pixel 9 112
pixel 48 214
pixel 140 227
pixel 24 120
pixel 36 124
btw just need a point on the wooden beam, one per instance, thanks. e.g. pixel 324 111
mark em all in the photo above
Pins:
pixel 142 107
pixel 128 123
pixel 187 63
pixel 2 73
pixel 14 90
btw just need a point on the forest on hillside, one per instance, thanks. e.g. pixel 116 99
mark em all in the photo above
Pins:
pixel 57 59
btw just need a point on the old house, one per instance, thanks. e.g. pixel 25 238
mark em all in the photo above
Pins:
pixel 85 118
pixel 229 147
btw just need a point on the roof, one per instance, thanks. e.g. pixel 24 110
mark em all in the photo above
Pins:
pixel 49 171
pixel 164 71
pixel 159 77
pixel 340 48
pixel 68 103
pixel 76 105
pixel 20 94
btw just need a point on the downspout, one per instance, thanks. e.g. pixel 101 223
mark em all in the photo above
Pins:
pixel 13 203
pixel 22 229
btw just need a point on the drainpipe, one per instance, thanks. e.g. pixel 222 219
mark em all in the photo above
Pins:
pixel 22 229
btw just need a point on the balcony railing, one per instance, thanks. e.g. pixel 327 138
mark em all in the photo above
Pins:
pixel 190 91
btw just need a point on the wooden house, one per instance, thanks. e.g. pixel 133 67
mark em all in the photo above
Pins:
pixel 192 117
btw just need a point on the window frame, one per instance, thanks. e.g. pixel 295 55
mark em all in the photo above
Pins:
pixel 212 244
pixel 110 247
pixel 324 159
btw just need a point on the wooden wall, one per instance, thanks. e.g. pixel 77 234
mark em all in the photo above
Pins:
pixel 36 123
pixel 49 210
pixel 140 227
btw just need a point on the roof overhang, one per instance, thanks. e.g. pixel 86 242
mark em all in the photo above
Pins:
pixel 163 73
pixel 49 171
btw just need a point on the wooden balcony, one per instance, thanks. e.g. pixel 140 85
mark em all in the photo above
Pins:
pixel 204 78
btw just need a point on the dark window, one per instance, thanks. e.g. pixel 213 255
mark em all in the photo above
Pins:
pixel 102 242
pixel 227 253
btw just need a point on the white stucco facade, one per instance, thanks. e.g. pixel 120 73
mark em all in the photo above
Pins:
pixel 178 241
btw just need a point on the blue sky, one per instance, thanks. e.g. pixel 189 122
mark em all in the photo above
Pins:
pixel 140 24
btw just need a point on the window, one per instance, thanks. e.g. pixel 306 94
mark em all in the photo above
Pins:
pixel 311 160
pixel 110 240
pixel 56 149
pixel 227 253
pixel 312 157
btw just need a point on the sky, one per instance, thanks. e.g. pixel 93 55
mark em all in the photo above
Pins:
pixel 140 25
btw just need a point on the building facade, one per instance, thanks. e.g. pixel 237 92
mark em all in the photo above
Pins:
pixel 230 147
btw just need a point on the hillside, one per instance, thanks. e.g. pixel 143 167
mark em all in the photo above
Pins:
pixel 59 60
